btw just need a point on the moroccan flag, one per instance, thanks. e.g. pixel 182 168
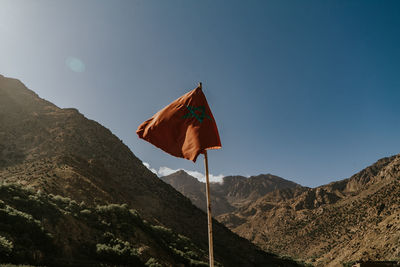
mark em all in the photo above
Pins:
pixel 185 128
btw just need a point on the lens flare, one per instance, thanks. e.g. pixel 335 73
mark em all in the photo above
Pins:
pixel 75 64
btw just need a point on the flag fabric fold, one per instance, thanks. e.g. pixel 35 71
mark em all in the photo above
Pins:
pixel 185 128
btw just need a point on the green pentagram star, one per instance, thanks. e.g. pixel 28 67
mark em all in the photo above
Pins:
pixel 193 113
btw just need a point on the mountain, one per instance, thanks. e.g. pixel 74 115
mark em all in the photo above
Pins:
pixel 60 152
pixel 196 192
pixel 353 219
pixel 231 194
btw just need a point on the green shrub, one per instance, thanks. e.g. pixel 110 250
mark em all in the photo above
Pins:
pixel 153 263
pixel 85 212
pixel 181 247
pixel 12 265
pixel 6 247
pixel 196 263
pixel 118 252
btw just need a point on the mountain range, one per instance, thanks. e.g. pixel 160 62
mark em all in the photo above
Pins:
pixel 75 168
pixel 352 219
pixel 230 195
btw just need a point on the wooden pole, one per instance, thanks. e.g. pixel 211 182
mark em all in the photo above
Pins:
pixel 210 238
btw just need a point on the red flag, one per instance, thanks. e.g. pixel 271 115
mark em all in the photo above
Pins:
pixel 185 128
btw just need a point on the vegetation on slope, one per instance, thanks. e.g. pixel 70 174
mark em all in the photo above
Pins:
pixel 41 229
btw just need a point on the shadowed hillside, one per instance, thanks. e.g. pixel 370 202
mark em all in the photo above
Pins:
pixel 59 151
pixel 33 229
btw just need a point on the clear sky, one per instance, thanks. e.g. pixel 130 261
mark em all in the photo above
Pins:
pixel 306 90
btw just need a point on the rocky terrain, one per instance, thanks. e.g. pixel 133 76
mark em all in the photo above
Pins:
pixel 353 219
pixel 58 151
pixel 233 193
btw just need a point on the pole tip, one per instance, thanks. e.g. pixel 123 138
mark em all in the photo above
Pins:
pixel 200 84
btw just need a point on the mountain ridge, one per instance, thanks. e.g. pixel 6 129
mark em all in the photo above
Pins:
pixel 228 195
pixel 59 151
pixel 327 225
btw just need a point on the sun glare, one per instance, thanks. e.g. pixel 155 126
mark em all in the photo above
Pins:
pixel 75 64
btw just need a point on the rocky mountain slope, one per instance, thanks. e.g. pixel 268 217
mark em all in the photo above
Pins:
pixel 353 219
pixel 357 218
pixel 59 151
pixel 233 193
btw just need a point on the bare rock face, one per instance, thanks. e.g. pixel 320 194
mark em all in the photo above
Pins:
pixel 314 198
pixel 59 151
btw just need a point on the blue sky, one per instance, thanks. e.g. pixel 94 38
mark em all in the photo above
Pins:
pixel 306 90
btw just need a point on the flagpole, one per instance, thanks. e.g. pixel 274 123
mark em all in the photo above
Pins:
pixel 210 238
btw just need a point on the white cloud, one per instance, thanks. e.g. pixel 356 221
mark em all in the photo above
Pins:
pixel 202 178
pixel 164 171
